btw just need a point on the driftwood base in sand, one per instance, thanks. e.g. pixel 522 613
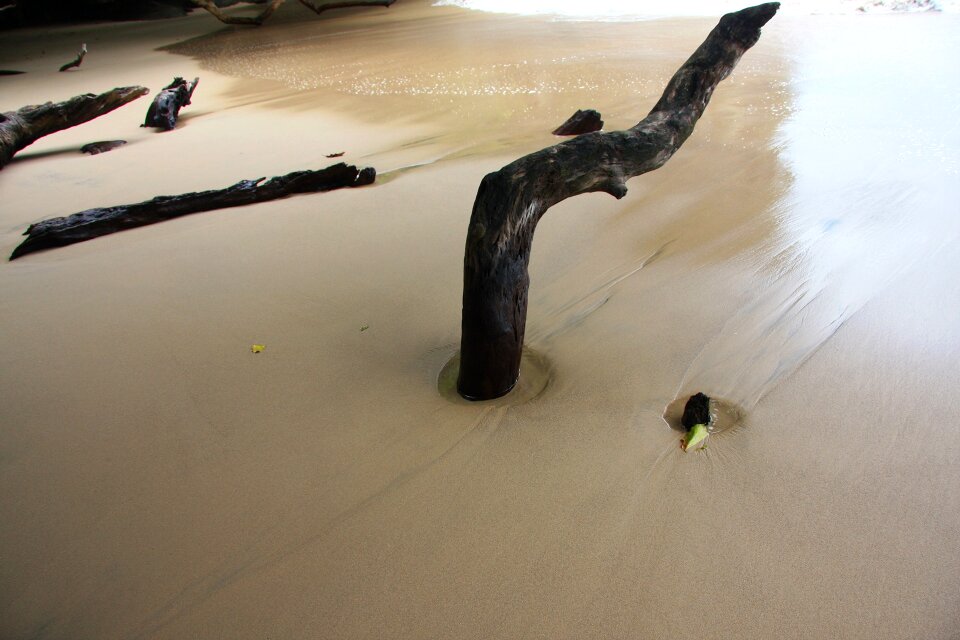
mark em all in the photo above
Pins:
pixel 511 201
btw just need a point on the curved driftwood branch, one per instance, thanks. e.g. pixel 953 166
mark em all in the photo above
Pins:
pixel 93 223
pixel 511 201
pixel 21 128
pixel 76 61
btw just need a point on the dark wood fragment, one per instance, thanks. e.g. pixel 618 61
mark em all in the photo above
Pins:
pixel 10 72
pixel 696 411
pixel 76 62
pixel 103 146
pixel 583 121
pixel 335 155
pixel 511 201
pixel 21 128
pixel 93 223
pixel 165 108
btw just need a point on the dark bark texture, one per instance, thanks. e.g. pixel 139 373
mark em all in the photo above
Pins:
pixel 93 223
pixel 94 148
pixel 583 121
pixel 511 201
pixel 165 108
pixel 21 128
pixel 696 411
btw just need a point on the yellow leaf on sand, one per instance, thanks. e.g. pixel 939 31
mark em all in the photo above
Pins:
pixel 257 348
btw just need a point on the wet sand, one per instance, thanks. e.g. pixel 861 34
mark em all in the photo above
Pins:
pixel 797 258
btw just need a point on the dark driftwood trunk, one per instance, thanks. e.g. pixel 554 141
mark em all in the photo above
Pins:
pixel 165 108
pixel 93 223
pixel 510 202
pixel 21 128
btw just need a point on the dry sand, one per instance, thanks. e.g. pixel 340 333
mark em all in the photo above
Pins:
pixel 798 258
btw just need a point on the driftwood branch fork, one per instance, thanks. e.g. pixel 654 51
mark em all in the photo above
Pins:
pixel 511 201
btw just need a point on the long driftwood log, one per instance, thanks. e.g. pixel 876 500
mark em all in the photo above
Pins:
pixel 511 201
pixel 93 223
pixel 273 5
pixel 164 111
pixel 21 128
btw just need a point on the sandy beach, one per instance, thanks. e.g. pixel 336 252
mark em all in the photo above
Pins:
pixel 797 259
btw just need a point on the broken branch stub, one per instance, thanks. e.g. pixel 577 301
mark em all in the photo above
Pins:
pixel 583 121
pixel 511 201
pixel 165 108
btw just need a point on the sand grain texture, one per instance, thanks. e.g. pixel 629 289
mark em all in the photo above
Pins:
pixel 158 480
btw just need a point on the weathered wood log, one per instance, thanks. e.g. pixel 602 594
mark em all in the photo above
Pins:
pixel 93 223
pixel 257 20
pixel 165 108
pixel 327 6
pixel 511 201
pixel 93 148
pixel 273 5
pixel 21 128
pixel 583 121
pixel 76 62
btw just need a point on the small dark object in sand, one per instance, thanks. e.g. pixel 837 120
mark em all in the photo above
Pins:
pixel 585 121
pixel 335 155
pixel 102 147
pixel 697 411
pixel 10 72
pixel 166 105
pixel 76 62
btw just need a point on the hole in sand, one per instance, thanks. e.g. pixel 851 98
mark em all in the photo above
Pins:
pixel 535 375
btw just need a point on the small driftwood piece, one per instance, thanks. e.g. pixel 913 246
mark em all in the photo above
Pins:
pixel 103 146
pixel 696 411
pixel 23 127
pixel 511 201
pixel 165 108
pixel 10 72
pixel 93 223
pixel 583 121
pixel 76 62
